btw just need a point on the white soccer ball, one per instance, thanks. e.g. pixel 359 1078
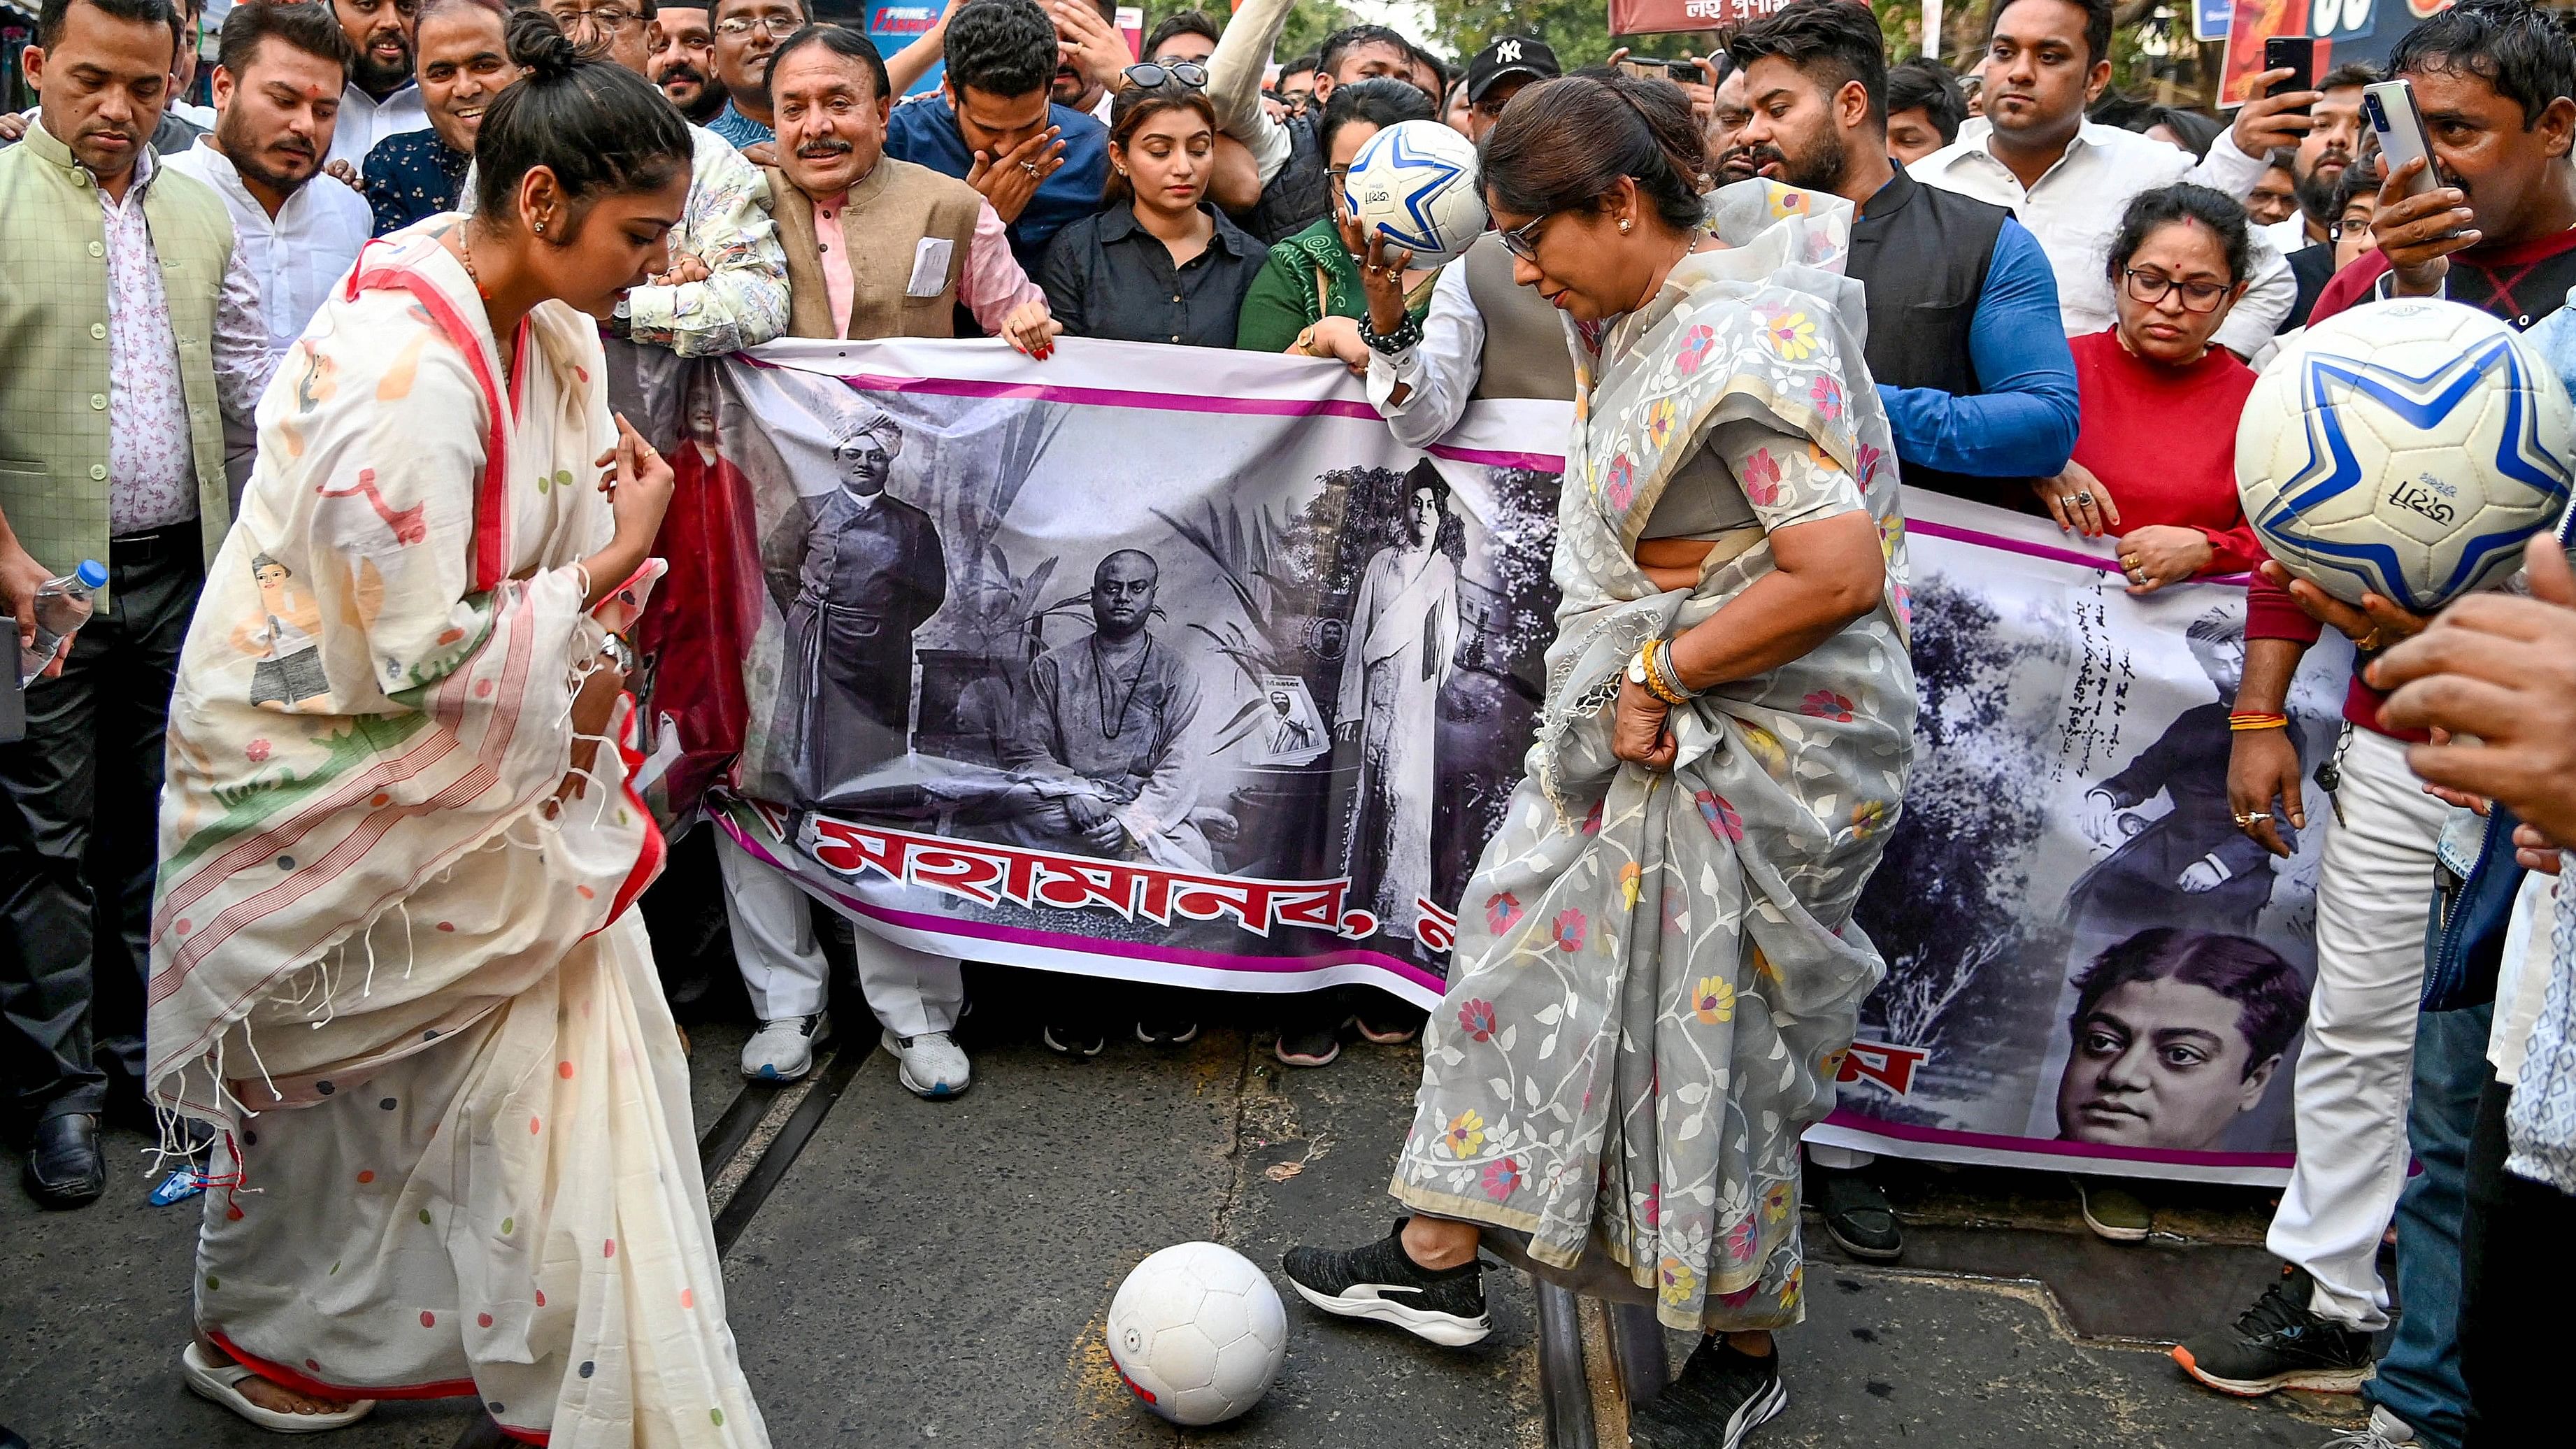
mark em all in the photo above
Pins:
pixel 2406 448
pixel 1197 1332
pixel 1415 183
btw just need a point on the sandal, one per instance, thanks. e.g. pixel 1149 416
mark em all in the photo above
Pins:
pixel 221 1382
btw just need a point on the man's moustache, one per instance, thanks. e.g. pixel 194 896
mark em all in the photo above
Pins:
pixel 681 70
pixel 814 150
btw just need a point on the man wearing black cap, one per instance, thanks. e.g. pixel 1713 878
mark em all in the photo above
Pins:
pixel 1483 336
pixel 1498 72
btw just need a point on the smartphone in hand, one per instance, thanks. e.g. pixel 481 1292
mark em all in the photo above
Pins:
pixel 2296 54
pixel 1648 68
pixel 2389 107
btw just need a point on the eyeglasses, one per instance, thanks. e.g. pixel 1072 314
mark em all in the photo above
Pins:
pixel 2343 229
pixel 1180 72
pixel 605 17
pixel 2150 288
pixel 776 27
pixel 1522 241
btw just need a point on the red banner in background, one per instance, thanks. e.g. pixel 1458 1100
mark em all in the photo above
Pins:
pixel 2254 22
pixel 1656 17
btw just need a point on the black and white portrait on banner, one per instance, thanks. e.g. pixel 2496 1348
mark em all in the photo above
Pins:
pixel 2082 947
pixel 1115 665
pixel 1273 649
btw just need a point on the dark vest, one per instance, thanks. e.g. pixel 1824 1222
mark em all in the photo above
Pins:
pixel 1298 195
pixel 1525 353
pixel 1923 253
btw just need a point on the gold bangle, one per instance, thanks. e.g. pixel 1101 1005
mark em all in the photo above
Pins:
pixel 1656 685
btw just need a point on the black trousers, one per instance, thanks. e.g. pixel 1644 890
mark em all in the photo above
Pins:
pixel 2517 1278
pixel 79 804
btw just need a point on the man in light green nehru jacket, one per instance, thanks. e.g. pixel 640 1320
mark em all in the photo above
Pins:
pixel 131 326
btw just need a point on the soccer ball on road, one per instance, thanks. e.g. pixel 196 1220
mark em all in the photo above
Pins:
pixel 1415 183
pixel 1197 1333
pixel 2407 449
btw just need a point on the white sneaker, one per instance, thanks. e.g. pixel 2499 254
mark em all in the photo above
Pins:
pixel 782 1051
pixel 932 1066
pixel 2385 1431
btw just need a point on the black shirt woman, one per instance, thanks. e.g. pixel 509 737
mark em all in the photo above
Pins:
pixel 1159 263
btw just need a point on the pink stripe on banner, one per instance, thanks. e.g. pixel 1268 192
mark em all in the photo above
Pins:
pixel 1488 457
pixel 1089 945
pixel 2040 550
pixel 1101 396
pixel 1913 1132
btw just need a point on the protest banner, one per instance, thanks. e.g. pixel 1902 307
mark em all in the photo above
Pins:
pixel 1174 666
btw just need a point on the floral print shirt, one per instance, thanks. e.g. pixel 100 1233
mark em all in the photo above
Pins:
pixel 151 466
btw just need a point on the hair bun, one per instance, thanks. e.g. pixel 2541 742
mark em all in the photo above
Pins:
pixel 537 41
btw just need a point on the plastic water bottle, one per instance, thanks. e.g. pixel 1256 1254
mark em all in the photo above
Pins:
pixel 62 606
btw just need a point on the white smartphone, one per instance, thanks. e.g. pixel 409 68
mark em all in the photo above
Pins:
pixel 2389 107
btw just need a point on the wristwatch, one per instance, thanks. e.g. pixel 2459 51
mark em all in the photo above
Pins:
pixel 1637 670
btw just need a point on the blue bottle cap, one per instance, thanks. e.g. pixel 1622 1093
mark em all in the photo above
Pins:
pixel 92 573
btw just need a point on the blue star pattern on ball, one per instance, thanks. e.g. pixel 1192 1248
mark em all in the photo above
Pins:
pixel 2332 388
pixel 1424 177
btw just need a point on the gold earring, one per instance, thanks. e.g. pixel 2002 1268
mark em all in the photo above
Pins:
pixel 541 227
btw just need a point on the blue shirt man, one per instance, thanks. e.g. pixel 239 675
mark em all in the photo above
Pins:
pixel 1970 362
pixel 925 132
pixel 1043 164
pixel 1965 343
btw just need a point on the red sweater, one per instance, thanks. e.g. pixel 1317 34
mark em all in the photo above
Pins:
pixel 2521 284
pixel 2164 440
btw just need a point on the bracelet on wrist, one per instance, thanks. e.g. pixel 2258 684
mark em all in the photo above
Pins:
pixel 1657 661
pixel 1389 344
pixel 2257 720
pixel 1672 670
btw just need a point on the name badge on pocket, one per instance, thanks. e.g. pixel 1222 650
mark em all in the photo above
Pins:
pixel 930 267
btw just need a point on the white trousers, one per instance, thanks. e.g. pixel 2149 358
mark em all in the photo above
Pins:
pixel 2357 1059
pixel 783 969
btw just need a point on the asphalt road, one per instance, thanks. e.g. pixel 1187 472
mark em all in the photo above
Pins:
pixel 937 1274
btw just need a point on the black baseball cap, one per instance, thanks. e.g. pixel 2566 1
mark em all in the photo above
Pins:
pixel 1510 56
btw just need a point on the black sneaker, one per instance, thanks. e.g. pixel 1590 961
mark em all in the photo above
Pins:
pixel 1378 1281
pixel 1857 1215
pixel 1076 1039
pixel 1167 1030
pixel 1721 1395
pixel 2280 1343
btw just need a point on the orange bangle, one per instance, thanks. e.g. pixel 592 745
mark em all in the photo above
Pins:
pixel 2255 720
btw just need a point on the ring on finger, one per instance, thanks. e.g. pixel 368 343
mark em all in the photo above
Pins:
pixel 2068 502
pixel 2084 498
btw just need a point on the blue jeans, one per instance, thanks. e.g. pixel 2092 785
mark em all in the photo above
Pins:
pixel 2419 1379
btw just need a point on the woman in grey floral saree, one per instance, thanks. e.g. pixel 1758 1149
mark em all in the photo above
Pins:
pixel 1657 969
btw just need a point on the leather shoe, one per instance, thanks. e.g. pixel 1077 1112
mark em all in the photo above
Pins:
pixel 1858 1217
pixel 63 1166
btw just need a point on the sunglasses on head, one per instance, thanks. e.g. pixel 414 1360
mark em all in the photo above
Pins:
pixel 1179 72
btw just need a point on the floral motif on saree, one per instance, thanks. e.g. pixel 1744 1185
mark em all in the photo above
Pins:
pixel 1658 973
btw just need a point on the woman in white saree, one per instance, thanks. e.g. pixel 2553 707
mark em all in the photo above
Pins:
pixel 392 957
pixel 1657 970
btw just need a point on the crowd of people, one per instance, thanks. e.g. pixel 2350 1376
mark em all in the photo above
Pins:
pixel 276 361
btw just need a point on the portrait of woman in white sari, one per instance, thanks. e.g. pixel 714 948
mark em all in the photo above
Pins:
pixel 1656 972
pixel 1403 636
pixel 394 962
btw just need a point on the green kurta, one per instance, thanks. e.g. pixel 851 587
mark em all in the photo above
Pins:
pixel 1286 297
